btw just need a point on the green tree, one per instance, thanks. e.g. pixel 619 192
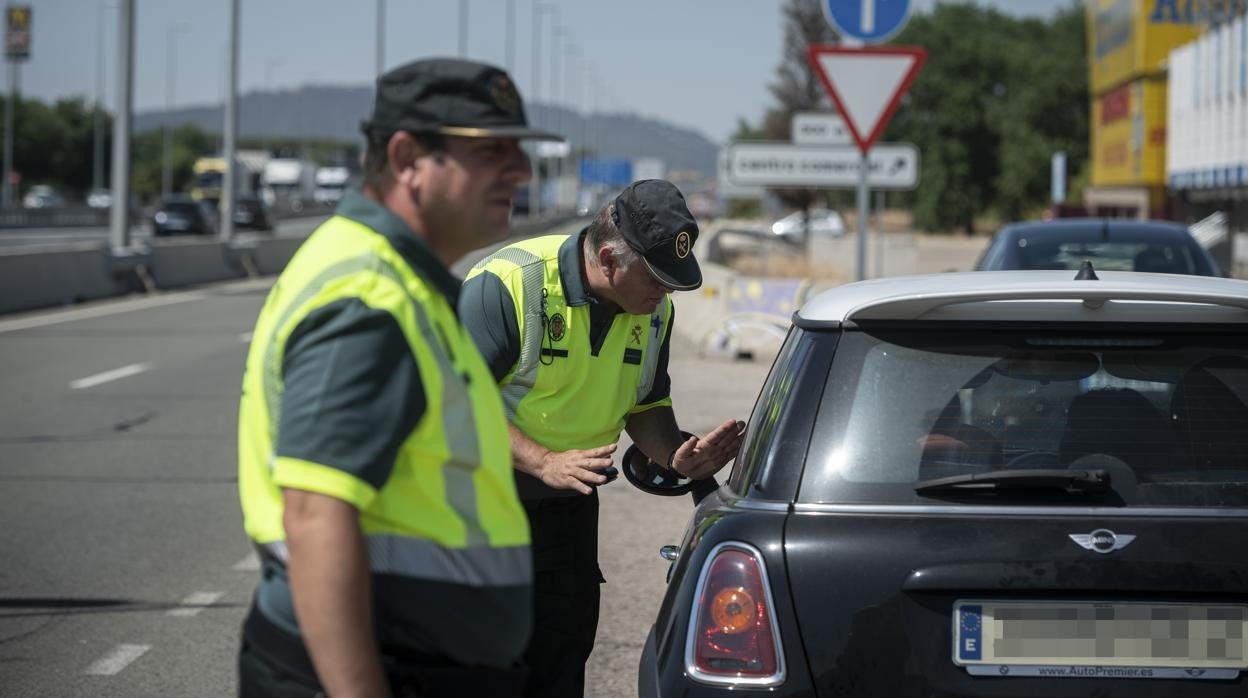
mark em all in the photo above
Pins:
pixel 796 87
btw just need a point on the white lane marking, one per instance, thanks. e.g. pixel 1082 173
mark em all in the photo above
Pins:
pixel 244 338
pixel 251 563
pixel 115 374
pixel 45 319
pixel 195 603
pixel 118 659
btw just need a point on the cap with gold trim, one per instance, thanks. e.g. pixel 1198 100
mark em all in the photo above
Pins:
pixel 654 219
pixel 452 97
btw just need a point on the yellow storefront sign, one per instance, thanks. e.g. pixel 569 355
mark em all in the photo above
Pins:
pixel 1129 134
pixel 1132 38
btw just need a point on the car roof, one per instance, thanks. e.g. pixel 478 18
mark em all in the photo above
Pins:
pixel 1099 229
pixel 1041 296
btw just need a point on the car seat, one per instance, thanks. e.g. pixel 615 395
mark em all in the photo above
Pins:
pixel 1211 422
pixel 1117 422
pixel 954 448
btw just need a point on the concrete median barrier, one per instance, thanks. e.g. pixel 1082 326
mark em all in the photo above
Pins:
pixel 46 279
pixel 34 279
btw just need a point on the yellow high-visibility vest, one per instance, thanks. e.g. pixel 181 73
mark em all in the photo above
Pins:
pixel 560 394
pixel 448 513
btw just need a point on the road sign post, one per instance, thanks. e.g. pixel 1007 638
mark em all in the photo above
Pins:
pixel 866 85
pixel 16 50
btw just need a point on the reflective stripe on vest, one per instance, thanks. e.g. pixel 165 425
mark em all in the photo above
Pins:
pixel 423 559
pixel 458 422
pixel 525 376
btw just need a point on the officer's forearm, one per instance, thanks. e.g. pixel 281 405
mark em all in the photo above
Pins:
pixel 655 433
pixel 329 582
pixel 526 454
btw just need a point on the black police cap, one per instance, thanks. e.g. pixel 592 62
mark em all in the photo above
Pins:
pixel 451 97
pixel 652 216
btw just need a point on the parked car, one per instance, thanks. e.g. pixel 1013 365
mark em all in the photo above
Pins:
pixel 100 198
pixel 822 222
pixel 252 212
pixel 182 215
pixel 43 196
pixel 1112 244
pixel 980 484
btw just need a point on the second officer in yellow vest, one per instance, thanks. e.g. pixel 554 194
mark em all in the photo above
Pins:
pixel 577 329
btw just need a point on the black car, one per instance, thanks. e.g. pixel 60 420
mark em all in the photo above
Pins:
pixel 1110 244
pixel 180 215
pixel 1010 484
pixel 252 212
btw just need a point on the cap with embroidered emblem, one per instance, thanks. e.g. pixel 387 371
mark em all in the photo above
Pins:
pixel 654 219
pixel 451 97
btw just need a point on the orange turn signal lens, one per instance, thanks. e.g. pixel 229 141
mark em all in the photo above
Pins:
pixel 733 610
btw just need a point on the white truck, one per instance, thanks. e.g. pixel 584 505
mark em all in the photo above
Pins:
pixel 330 183
pixel 290 182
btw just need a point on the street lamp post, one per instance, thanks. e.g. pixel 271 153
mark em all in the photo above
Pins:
pixel 463 28
pixel 166 168
pixel 381 36
pixel 270 65
pixel 535 186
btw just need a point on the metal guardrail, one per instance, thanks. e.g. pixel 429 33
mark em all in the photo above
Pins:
pixel 60 217
pixel 87 217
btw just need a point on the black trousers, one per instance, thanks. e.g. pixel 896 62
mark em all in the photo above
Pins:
pixel 565 594
pixel 272 664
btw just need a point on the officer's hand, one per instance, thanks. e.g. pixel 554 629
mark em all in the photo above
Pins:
pixel 702 458
pixel 576 470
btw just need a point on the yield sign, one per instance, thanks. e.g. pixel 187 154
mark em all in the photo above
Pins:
pixel 866 84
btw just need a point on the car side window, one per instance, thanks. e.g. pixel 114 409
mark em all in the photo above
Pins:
pixel 768 410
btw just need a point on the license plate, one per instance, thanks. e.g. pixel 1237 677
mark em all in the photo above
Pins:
pixel 1100 640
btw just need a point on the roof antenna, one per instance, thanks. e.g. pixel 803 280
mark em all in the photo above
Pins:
pixel 1086 272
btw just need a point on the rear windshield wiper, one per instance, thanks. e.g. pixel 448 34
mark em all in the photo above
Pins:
pixel 1048 479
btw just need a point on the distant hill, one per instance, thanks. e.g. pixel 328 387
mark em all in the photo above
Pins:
pixel 336 112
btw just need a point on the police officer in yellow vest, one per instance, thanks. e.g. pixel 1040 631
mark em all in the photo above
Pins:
pixel 577 329
pixel 374 469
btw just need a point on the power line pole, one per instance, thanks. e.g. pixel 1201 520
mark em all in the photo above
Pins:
pixel 97 145
pixel 535 186
pixel 381 36
pixel 463 28
pixel 119 230
pixel 510 51
pixel 230 146
pixel 166 165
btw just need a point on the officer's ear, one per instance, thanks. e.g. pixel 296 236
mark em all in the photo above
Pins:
pixel 403 155
pixel 606 260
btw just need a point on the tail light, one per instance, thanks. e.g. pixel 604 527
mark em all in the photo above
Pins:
pixel 733 639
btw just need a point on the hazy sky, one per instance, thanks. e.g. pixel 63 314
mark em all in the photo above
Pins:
pixel 696 63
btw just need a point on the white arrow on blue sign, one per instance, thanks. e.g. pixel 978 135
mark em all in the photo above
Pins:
pixel 867 21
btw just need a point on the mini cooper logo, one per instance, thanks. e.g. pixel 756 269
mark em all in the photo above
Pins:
pixel 636 334
pixel 682 245
pixel 1102 540
pixel 557 327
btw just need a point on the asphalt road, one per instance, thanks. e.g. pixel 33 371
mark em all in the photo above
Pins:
pixel 125 568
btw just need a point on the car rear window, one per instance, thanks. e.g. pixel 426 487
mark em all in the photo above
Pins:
pixel 1108 256
pixel 182 208
pixel 1165 414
